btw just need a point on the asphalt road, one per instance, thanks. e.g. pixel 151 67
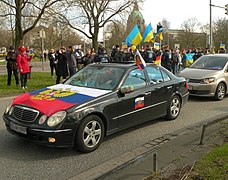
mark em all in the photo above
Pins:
pixel 21 159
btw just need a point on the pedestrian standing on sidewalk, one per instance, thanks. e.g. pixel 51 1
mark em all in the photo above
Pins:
pixel 71 61
pixel 53 61
pixel 29 53
pixel 22 61
pixel 62 70
pixel 12 66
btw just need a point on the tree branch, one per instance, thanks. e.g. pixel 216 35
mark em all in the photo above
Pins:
pixel 8 4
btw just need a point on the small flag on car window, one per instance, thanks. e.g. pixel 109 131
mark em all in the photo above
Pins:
pixel 140 61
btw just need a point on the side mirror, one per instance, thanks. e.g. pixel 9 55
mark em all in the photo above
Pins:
pixel 126 89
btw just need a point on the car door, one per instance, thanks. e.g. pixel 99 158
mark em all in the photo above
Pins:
pixel 133 107
pixel 161 90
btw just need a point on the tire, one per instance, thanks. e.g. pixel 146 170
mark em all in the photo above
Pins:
pixel 220 92
pixel 90 134
pixel 174 107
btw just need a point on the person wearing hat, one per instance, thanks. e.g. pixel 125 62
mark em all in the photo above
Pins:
pixel 12 66
pixel 22 61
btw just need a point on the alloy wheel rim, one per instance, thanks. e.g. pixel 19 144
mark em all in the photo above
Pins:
pixel 175 107
pixel 221 91
pixel 92 134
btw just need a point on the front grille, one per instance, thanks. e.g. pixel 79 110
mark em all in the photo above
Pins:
pixel 194 80
pixel 199 92
pixel 24 114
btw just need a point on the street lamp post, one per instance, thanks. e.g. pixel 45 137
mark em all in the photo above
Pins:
pixel 210 40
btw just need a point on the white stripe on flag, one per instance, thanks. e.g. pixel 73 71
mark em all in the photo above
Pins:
pixel 81 90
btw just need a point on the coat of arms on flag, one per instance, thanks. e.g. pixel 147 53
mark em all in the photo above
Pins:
pixel 139 102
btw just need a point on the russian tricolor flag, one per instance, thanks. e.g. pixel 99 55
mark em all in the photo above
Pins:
pixel 58 97
pixel 140 61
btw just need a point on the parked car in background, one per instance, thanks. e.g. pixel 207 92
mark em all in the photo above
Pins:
pixel 208 76
pixel 97 101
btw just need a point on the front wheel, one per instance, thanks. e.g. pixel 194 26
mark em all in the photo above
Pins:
pixel 90 134
pixel 220 92
pixel 174 107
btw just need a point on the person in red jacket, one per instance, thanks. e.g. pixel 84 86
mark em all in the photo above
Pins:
pixel 22 61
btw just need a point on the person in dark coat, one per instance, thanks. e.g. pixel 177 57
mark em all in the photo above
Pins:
pixel 12 66
pixel 165 60
pixel 53 61
pixel 61 68
pixel 102 56
pixel 71 61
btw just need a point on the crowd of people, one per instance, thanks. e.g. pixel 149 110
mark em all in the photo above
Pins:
pixel 66 62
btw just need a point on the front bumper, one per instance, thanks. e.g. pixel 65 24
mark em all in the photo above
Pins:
pixel 197 89
pixel 63 137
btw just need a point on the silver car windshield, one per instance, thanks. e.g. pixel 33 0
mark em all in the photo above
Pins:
pixel 100 77
pixel 210 62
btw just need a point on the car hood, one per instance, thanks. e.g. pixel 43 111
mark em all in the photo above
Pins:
pixel 192 73
pixel 58 97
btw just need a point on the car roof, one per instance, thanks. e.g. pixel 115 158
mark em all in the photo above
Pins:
pixel 126 64
pixel 217 55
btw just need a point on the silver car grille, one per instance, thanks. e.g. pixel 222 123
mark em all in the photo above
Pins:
pixel 24 114
pixel 194 80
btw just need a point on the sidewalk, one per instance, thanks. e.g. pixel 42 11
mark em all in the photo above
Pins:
pixel 37 67
pixel 172 151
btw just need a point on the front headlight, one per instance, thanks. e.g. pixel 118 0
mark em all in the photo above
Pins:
pixel 56 118
pixel 208 80
pixel 8 108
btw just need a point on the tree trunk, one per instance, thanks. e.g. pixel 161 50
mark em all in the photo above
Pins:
pixel 95 35
pixel 18 28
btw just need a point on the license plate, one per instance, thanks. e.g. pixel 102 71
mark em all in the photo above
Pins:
pixel 18 128
pixel 190 87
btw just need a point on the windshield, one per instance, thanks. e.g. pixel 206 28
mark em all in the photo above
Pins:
pixel 100 77
pixel 210 62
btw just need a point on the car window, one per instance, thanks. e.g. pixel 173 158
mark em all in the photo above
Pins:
pixel 154 74
pixel 136 78
pixel 100 77
pixel 165 76
pixel 210 62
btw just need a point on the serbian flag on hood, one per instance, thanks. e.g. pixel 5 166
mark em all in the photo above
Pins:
pixel 58 97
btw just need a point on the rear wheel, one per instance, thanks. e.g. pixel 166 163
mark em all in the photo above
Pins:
pixel 220 92
pixel 174 107
pixel 90 134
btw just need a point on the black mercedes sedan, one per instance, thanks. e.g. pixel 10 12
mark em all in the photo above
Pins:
pixel 97 101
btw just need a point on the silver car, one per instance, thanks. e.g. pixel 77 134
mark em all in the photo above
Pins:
pixel 208 76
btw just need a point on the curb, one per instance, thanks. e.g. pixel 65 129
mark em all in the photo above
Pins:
pixel 135 156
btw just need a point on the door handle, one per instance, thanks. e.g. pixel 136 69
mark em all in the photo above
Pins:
pixel 147 93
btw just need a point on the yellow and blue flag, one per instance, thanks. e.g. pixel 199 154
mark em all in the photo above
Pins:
pixel 189 59
pixel 159 33
pixel 135 37
pixel 148 34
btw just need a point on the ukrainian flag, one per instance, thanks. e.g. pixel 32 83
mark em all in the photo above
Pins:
pixel 135 37
pixel 189 59
pixel 148 34
pixel 159 33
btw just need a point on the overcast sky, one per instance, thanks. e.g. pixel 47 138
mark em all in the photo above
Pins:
pixel 178 11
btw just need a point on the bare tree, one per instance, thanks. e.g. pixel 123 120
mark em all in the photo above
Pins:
pixel 190 38
pixel 220 32
pixel 24 11
pixel 94 14
pixel 116 31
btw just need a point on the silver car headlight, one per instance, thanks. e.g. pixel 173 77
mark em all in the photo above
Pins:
pixel 8 107
pixel 208 80
pixel 56 118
